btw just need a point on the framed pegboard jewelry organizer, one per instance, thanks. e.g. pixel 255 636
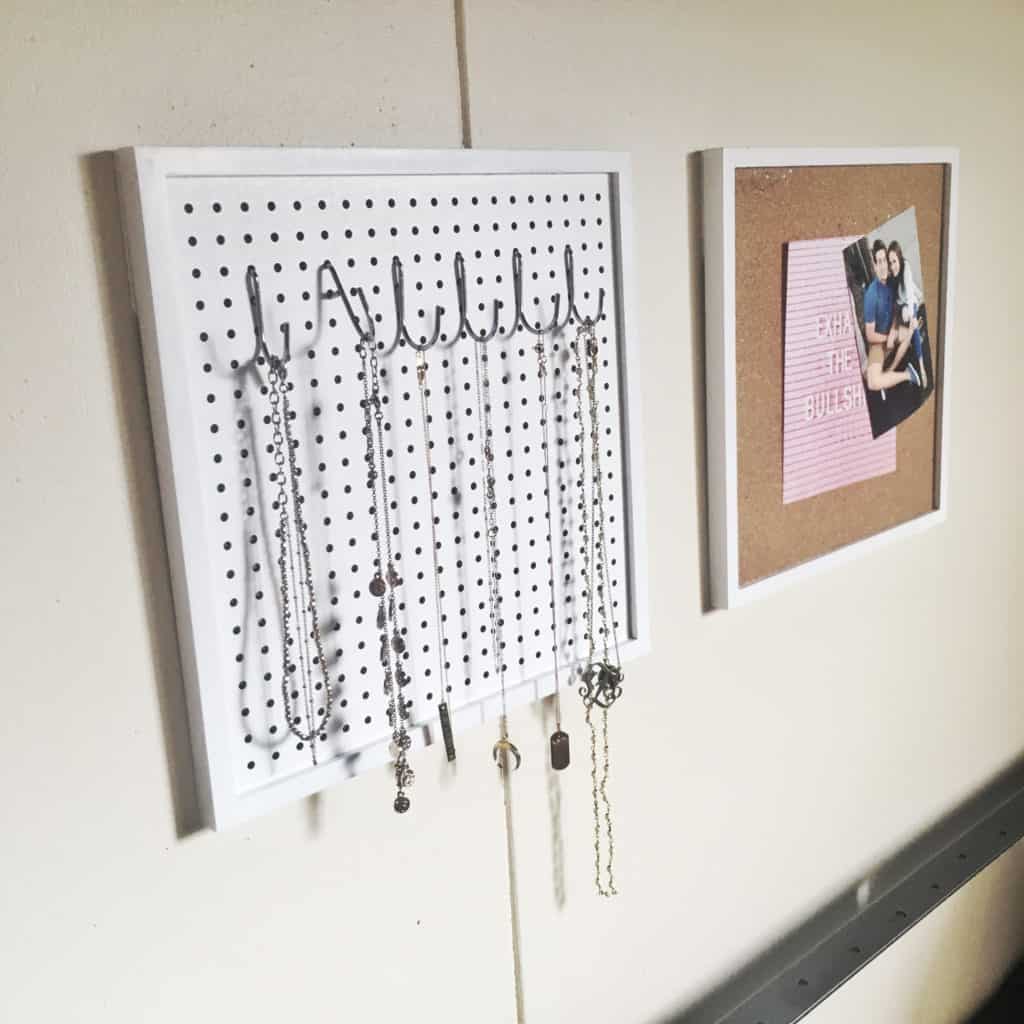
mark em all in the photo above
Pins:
pixel 441 242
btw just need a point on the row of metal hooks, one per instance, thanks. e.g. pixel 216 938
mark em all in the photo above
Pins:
pixel 368 334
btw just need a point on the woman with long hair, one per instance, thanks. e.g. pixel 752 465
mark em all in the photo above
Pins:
pixel 880 327
pixel 908 298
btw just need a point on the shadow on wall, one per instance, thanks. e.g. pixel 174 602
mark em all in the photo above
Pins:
pixel 695 211
pixel 970 958
pixel 99 184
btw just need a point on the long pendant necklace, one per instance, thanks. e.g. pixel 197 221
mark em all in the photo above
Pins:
pixel 444 708
pixel 298 597
pixel 504 746
pixel 385 579
pixel 504 749
pixel 559 739
pixel 602 680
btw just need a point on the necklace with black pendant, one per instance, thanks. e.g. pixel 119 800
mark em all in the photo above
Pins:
pixel 601 679
pixel 385 580
pixel 444 707
pixel 304 679
pixel 559 739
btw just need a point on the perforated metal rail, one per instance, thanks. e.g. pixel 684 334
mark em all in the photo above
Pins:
pixel 806 966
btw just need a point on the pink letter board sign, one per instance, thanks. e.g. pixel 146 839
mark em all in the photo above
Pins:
pixel 827 440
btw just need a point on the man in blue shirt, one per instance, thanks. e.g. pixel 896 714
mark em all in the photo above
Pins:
pixel 879 328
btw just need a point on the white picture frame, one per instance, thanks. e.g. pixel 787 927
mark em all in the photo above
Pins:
pixel 719 228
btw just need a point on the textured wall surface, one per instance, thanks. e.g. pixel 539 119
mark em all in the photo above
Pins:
pixel 758 764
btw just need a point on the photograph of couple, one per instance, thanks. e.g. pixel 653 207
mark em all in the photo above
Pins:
pixel 883 274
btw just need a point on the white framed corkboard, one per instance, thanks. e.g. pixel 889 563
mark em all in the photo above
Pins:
pixel 756 202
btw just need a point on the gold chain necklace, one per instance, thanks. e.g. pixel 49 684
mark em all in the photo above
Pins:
pixel 602 680
pixel 505 753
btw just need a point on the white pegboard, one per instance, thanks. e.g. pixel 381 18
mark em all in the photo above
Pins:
pixel 195 220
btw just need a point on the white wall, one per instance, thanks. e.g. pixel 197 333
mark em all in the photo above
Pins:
pixel 758 766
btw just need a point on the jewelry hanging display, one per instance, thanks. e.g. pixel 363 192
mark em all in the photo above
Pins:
pixel 602 679
pixel 303 677
pixel 559 739
pixel 386 579
pixel 444 708
pixel 337 631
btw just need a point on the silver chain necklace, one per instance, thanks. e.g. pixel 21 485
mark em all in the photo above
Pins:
pixel 602 680
pixel 559 739
pixel 298 597
pixel 386 579
pixel 444 708
pixel 293 560
pixel 504 746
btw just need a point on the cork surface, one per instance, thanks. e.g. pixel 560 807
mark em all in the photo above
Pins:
pixel 774 206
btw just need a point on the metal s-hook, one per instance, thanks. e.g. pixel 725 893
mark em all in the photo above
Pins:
pixel 252 287
pixel 370 334
pixel 398 291
pixel 401 333
pixel 570 293
pixel 570 284
pixel 517 288
pixel 460 294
